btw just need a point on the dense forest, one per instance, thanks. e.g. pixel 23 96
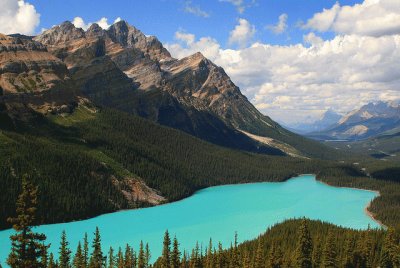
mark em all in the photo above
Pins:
pixel 293 243
pixel 76 160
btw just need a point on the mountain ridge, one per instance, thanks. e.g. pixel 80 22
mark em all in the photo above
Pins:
pixel 124 69
pixel 370 120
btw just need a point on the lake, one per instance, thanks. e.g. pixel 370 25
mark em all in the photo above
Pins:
pixel 218 212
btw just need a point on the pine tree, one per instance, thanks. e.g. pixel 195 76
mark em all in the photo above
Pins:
pixel 235 253
pixel 147 256
pixel 97 259
pixel 120 259
pixel 85 251
pixel 220 262
pixel 259 258
pixel 176 255
pixel 275 257
pixel 141 256
pixel 51 262
pixel 390 256
pixel 329 253
pixel 348 257
pixel 209 255
pixel 44 257
pixel 165 258
pixel 184 262
pixel 65 252
pixel 366 247
pixel 78 261
pixel 27 247
pixel 134 258
pixel 317 253
pixel 111 261
pixel 245 260
pixel 128 257
pixel 304 247
pixel 195 260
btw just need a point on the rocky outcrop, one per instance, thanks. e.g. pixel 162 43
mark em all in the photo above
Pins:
pixel 31 78
pixel 26 66
pixel 128 36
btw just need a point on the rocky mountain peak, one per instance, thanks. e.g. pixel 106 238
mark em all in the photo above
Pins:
pixel 60 34
pixel 95 31
pixel 130 37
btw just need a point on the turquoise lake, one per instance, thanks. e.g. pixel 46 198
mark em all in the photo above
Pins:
pixel 218 212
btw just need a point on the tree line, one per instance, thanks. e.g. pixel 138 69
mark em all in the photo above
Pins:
pixel 80 166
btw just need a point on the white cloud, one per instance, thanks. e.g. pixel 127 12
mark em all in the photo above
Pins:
pixel 241 5
pixel 187 45
pixel 312 39
pixel 291 83
pixel 103 23
pixel 281 26
pixel 371 18
pixel 18 17
pixel 196 10
pixel 242 33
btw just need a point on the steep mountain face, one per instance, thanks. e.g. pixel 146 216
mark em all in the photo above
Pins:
pixel 329 118
pixel 368 121
pixel 122 68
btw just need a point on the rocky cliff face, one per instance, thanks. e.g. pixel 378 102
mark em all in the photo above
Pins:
pixel 26 66
pixel 33 78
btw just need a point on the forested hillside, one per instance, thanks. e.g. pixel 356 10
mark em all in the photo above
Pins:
pixel 95 155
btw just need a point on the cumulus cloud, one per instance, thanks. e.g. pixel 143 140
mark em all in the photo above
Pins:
pixel 103 23
pixel 242 33
pixel 281 25
pixel 371 18
pixel 188 45
pixel 291 83
pixel 195 10
pixel 312 39
pixel 18 17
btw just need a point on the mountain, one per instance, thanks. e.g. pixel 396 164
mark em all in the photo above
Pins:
pixel 124 69
pixel 370 120
pixel 328 119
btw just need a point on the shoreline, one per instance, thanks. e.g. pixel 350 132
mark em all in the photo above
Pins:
pixel 371 215
pixel 366 208
pixel 366 211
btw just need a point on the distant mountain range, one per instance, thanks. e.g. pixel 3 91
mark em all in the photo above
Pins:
pixel 370 120
pixel 122 68
pixel 328 119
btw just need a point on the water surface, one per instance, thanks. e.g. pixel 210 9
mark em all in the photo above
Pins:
pixel 218 212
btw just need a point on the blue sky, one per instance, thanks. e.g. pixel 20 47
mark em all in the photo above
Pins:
pixel 293 59
pixel 164 17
